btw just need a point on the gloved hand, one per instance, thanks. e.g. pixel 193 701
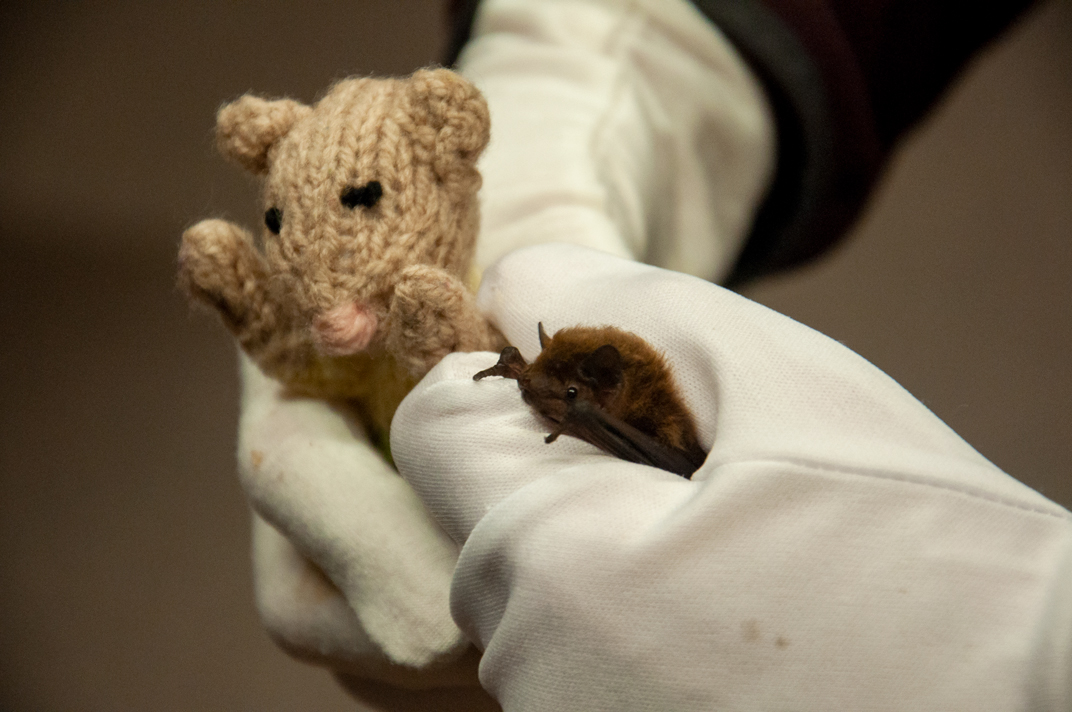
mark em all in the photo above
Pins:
pixel 612 121
pixel 841 548
pixel 332 522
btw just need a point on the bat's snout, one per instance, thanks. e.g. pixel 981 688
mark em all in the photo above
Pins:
pixel 344 330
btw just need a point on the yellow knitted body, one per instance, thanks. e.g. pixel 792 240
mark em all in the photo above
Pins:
pixel 371 219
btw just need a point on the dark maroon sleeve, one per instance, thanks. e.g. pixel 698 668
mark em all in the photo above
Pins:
pixel 846 79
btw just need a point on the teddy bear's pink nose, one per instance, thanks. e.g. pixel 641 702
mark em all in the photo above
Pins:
pixel 344 330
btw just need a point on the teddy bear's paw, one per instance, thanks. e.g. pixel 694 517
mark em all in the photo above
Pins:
pixel 220 267
pixel 427 317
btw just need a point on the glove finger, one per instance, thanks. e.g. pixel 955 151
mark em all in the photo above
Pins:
pixel 313 476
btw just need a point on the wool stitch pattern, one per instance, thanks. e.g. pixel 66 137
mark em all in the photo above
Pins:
pixel 371 212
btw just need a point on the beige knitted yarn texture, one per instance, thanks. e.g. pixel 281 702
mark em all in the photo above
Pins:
pixel 371 219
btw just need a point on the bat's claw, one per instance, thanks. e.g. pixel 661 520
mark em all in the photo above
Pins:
pixel 553 435
pixel 510 365
pixel 562 426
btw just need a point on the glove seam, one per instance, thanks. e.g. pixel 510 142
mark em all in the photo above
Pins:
pixel 629 25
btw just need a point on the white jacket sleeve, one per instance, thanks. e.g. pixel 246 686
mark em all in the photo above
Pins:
pixel 841 548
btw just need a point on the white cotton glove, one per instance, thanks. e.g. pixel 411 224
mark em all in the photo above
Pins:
pixel 629 126
pixel 350 571
pixel 841 548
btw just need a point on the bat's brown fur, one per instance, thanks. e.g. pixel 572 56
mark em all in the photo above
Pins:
pixel 647 398
pixel 610 388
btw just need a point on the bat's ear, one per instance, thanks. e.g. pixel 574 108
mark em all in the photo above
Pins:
pixel 603 368
pixel 543 335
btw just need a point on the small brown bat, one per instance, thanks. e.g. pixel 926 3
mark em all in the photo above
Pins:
pixel 610 388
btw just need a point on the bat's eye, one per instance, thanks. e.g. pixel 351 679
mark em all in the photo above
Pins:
pixel 571 393
pixel 366 196
pixel 273 219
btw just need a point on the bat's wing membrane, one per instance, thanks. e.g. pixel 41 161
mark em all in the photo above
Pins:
pixel 591 424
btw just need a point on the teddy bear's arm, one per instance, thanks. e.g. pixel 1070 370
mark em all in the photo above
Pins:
pixel 432 314
pixel 220 267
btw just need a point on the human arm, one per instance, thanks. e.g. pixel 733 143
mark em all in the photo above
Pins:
pixel 842 84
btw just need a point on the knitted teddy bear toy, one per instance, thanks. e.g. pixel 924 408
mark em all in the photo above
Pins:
pixel 371 220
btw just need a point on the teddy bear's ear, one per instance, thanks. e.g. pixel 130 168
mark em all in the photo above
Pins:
pixel 457 111
pixel 248 127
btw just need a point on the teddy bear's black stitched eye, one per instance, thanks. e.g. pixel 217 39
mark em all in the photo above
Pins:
pixel 365 196
pixel 571 393
pixel 273 219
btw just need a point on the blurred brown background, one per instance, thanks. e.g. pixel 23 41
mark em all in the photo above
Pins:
pixel 124 565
